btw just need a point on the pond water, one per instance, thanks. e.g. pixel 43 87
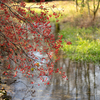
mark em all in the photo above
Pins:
pixel 83 84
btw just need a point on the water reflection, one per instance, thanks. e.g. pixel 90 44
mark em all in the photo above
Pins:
pixel 83 84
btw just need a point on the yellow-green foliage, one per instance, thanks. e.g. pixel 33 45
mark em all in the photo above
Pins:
pixel 81 49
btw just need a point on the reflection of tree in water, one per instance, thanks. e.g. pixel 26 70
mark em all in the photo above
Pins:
pixel 80 84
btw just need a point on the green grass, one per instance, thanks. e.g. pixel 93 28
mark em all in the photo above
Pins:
pixel 82 48
pixel 51 19
pixel 60 6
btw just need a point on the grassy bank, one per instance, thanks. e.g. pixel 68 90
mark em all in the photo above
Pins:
pixel 85 45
